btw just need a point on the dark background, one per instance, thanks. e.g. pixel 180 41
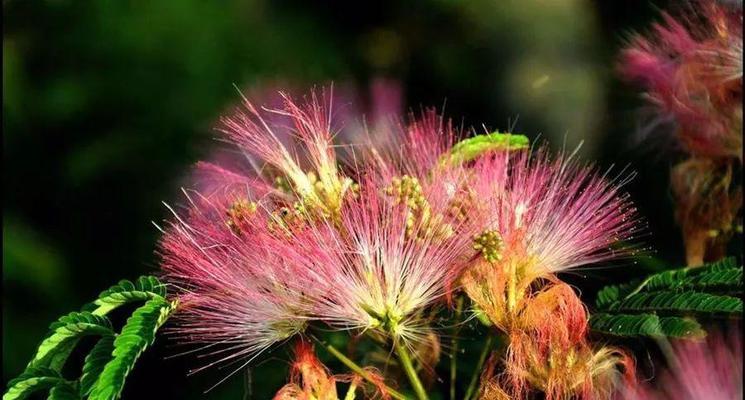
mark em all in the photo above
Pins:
pixel 106 105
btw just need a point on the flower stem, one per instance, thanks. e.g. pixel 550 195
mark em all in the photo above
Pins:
pixel 358 370
pixel 479 365
pixel 408 366
pixel 351 390
pixel 454 348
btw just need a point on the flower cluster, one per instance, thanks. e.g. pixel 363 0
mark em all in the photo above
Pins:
pixel 544 217
pixel 691 69
pixel 374 243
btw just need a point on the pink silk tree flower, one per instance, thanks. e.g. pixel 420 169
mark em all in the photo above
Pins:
pixel 241 293
pixel 305 174
pixel 373 247
pixel 551 214
pixel 540 216
pixel 537 217
pixel 295 147
pixel 387 264
pixel 252 278
pixel 257 260
pixel 691 67
pixel 413 147
pixel 710 368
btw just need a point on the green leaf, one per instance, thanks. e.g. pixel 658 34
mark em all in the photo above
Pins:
pixel 64 391
pixel 722 277
pixel 95 362
pixel 471 148
pixel 64 335
pixel 683 302
pixel 609 295
pixel 144 289
pixel 632 309
pixel 32 380
pixel 138 333
pixel 645 325
pixel 107 365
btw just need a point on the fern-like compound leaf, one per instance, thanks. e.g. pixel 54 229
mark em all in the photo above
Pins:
pixel 64 391
pixel 722 277
pixel 64 334
pixel 32 380
pixel 670 302
pixel 645 325
pixel 678 302
pixel 138 333
pixel 95 362
pixel 143 289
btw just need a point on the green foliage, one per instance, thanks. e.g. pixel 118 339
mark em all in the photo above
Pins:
pixel 645 325
pixel 471 148
pixel 64 391
pixel 33 379
pixel 670 302
pixel 144 289
pixel 112 358
pixel 688 301
pixel 95 362
pixel 136 336
pixel 64 335
pixel 720 277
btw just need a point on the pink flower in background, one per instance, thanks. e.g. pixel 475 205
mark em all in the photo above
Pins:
pixel 386 98
pixel 691 67
pixel 709 369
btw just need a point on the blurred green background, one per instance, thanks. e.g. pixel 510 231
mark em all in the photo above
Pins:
pixel 107 104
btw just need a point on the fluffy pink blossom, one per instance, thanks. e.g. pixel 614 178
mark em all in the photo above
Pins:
pixel 281 132
pixel 691 67
pixel 539 216
pixel 553 212
pixel 414 148
pixel 240 295
pixel 260 255
pixel 251 281
pixel 388 263
pixel 373 245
